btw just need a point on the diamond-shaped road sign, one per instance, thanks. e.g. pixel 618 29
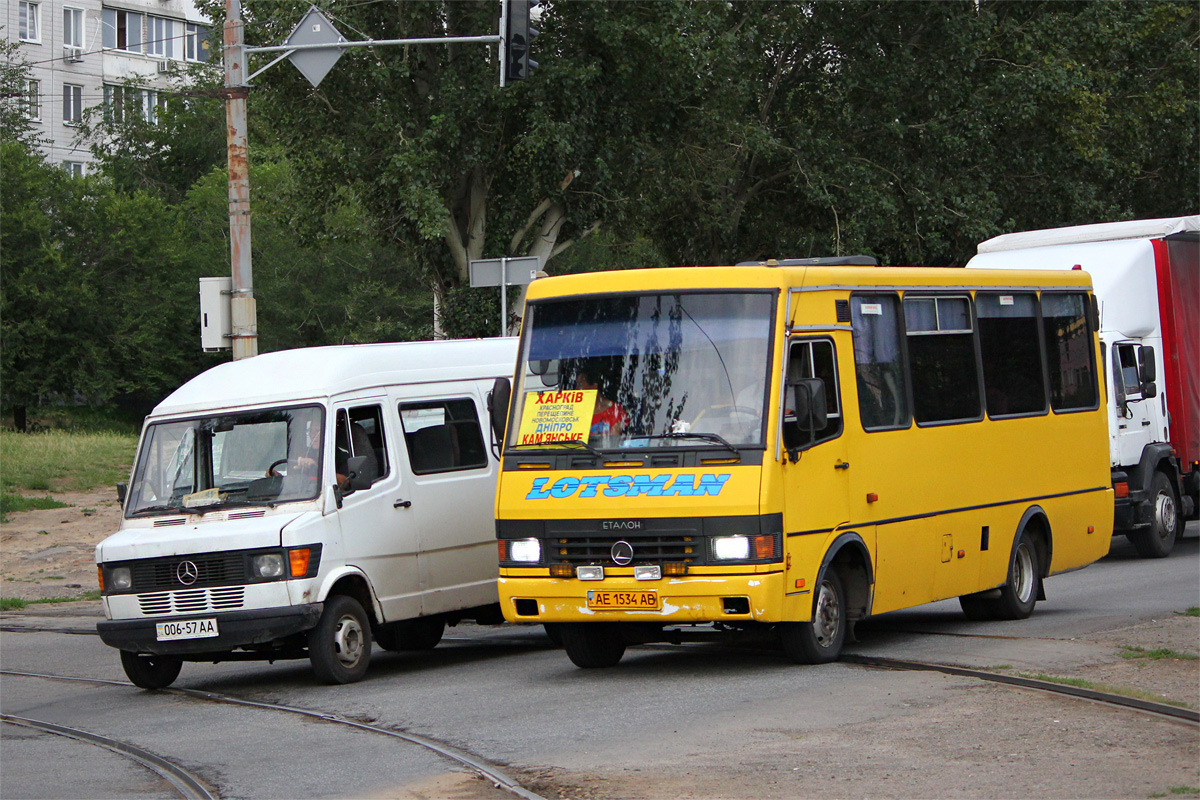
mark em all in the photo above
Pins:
pixel 315 28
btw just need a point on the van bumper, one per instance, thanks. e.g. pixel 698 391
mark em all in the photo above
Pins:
pixel 235 628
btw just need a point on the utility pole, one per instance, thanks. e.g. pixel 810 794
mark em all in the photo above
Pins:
pixel 243 315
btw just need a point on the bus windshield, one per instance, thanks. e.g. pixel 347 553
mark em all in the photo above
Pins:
pixel 259 457
pixel 647 370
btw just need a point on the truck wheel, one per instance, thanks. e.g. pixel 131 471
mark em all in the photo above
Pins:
pixel 417 634
pixel 819 640
pixel 593 644
pixel 151 671
pixel 340 646
pixel 1158 540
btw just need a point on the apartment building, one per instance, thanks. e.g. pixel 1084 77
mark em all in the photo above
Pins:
pixel 82 53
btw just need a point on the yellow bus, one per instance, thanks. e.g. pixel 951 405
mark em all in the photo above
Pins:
pixel 795 446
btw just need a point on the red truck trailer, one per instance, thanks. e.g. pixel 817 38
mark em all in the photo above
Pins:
pixel 1146 276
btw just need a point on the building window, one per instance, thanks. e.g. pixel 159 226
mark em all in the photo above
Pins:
pixel 29 21
pixel 73 168
pixel 33 101
pixel 73 27
pixel 122 100
pixel 123 30
pixel 160 37
pixel 72 103
pixel 195 42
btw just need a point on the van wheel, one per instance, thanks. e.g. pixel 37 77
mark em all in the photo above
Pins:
pixel 340 646
pixel 151 671
pixel 593 644
pixel 819 640
pixel 418 634
pixel 1158 540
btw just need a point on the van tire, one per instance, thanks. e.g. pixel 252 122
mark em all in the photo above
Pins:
pixel 340 646
pixel 592 645
pixel 820 640
pixel 1158 540
pixel 148 671
pixel 423 633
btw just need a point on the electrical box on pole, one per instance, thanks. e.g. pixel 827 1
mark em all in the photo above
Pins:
pixel 216 326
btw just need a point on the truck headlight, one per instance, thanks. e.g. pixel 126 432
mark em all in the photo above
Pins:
pixel 268 565
pixel 528 551
pixel 120 579
pixel 731 548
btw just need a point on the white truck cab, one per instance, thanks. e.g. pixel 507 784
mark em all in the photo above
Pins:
pixel 308 503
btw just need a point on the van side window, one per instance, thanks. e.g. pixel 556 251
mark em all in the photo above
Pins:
pixel 443 436
pixel 1069 352
pixel 879 362
pixel 1012 354
pixel 360 433
pixel 941 352
pixel 812 359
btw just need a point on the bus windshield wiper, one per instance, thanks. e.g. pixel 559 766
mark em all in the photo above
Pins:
pixel 708 437
pixel 565 443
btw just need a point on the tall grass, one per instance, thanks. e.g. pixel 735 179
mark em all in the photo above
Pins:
pixel 63 461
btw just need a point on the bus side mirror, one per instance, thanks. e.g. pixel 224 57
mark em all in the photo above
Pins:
pixel 497 403
pixel 808 398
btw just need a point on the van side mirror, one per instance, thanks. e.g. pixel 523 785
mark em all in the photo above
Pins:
pixel 497 403
pixel 122 490
pixel 360 477
pixel 808 398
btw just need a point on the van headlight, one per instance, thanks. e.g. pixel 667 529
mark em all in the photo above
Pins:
pixel 731 548
pixel 527 551
pixel 268 565
pixel 120 579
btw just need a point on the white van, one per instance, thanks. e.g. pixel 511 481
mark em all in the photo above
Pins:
pixel 306 503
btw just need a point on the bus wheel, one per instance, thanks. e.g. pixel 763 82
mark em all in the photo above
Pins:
pixel 1158 540
pixel 818 641
pixel 151 671
pixel 1019 596
pixel 592 644
pixel 340 646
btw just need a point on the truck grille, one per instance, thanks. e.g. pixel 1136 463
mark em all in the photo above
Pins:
pixel 192 601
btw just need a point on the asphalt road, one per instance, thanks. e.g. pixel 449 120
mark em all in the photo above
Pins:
pixel 507 696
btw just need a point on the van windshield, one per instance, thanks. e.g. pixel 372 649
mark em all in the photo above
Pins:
pixel 259 457
pixel 635 371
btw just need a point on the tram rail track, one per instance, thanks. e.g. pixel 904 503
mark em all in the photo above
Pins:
pixel 477 764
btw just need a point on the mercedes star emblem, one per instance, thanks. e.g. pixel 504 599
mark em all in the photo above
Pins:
pixel 187 573
pixel 622 553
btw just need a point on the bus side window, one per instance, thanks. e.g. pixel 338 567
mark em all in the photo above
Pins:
pixel 879 362
pixel 812 359
pixel 1069 353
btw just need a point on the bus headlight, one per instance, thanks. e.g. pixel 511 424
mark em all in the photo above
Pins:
pixel 731 548
pixel 120 579
pixel 268 565
pixel 527 551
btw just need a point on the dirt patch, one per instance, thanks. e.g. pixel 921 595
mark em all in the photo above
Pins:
pixel 51 552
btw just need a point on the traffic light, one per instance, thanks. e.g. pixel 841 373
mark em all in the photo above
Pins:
pixel 518 34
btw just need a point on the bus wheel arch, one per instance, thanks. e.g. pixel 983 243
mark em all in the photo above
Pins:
pixel 841 596
pixel 1028 565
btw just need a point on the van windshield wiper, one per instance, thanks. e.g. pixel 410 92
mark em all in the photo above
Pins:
pixel 708 437
pixel 174 509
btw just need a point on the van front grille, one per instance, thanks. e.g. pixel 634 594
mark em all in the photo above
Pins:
pixel 192 601
pixel 210 569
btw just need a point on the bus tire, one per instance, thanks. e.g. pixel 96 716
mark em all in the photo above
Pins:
pixel 340 646
pixel 818 641
pixel 1019 594
pixel 148 671
pixel 1158 540
pixel 592 645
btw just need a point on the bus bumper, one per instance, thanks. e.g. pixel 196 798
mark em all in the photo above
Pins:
pixel 687 600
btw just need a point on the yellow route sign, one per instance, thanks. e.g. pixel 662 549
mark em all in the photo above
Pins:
pixel 558 417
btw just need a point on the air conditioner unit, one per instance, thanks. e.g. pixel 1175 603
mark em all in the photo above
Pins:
pixel 72 55
pixel 164 66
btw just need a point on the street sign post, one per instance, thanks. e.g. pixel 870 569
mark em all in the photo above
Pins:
pixel 504 272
